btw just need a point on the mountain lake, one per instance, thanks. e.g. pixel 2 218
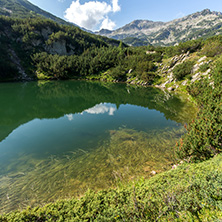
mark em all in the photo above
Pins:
pixel 60 138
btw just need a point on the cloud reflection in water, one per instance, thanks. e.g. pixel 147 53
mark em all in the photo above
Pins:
pixel 102 108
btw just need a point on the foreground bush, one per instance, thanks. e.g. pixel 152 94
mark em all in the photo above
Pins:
pixel 191 192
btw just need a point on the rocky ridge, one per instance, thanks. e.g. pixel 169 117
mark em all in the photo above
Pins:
pixel 200 24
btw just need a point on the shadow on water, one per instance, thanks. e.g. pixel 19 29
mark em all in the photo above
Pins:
pixel 60 138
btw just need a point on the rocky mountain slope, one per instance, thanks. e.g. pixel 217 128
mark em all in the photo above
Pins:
pixel 141 32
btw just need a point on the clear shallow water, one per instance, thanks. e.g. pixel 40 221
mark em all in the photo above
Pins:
pixel 57 139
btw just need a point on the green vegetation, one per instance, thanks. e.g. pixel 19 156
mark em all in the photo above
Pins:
pixel 213 46
pixel 191 192
pixel 183 69
pixel 29 40
pixel 204 67
pixel 52 51
pixel 204 137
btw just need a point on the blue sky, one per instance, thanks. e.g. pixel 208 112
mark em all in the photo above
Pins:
pixel 112 14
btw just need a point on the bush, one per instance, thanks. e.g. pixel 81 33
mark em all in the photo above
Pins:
pixel 148 77
pixel 212 46
pixel 183 69
pixel 204 67
pixel 119 73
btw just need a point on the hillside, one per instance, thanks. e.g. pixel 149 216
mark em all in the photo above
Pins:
pixel 200 24
pixel 25 9
pixel 20 39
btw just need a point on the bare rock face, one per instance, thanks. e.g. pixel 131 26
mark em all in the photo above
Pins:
pixel 58 47
pixel 46 32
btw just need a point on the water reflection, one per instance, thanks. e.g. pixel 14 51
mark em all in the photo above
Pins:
pixel 23 102
pixel 101 109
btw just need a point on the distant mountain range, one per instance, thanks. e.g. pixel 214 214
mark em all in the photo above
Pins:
pixel 142 32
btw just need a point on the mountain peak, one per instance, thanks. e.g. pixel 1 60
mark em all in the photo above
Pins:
pixel 206 11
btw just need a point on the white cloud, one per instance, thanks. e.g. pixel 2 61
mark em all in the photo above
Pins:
pixel 92 14
pixel 101 109
pixel 108 24
pixel 116 6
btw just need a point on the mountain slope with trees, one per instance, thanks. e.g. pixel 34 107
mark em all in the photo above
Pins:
pixel 22 39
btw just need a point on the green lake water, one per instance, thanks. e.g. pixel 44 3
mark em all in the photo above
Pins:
pixel 58 139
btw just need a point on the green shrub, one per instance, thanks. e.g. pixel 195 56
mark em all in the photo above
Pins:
pixel 183 69
pixel 148 77
pixel 212 46
pixel 204 67
pixel 119 73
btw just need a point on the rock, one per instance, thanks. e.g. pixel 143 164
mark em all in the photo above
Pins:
pixel 174 166
pixel 46 32
pixel 59 47
pixel 195 77
pixel 184 82
pixel 202 59
pixel 130 71
pixel 15 59
pixel 150 52
pixel 170 89
pixel 195 68
pixel 36 42
pixel 153 172
pixel 207 72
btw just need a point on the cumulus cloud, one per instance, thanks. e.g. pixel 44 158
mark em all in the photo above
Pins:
pixel 116 6
pixel 92 14
pixel 107 24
